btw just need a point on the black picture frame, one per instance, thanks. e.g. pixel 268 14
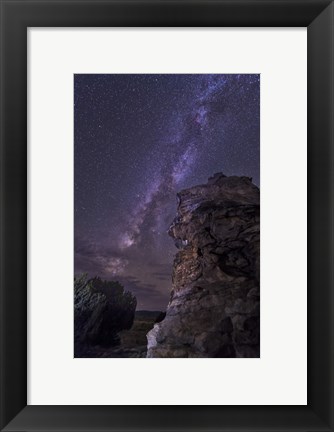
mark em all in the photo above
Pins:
pixel 16 16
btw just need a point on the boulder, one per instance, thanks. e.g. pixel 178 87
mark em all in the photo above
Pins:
pixel 101 310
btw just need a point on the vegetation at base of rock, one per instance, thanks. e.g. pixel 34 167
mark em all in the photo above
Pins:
pixel 102 309
pixel 143 323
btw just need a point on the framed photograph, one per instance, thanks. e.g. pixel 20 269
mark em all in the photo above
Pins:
pixel 166 215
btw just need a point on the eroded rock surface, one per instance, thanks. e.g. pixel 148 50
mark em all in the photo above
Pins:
pixel 214 310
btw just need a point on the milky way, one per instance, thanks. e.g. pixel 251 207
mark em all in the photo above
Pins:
pixel 138 140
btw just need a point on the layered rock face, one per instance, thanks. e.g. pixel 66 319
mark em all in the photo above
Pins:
pixel 214 310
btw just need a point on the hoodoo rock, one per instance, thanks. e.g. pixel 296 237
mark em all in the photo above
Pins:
pixel 214 309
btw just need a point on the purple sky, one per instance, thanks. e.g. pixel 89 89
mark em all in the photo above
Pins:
pixel 139 139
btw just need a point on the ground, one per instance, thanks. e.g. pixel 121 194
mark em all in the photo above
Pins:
pixel 133 341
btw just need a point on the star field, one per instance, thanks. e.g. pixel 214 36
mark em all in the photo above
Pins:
pixel 138 139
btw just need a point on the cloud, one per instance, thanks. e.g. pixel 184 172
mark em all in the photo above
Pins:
pixel 96 260
pixel 162 276
pixel 148 295
pixel 146 278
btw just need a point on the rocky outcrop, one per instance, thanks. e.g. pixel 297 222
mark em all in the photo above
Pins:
pixel 214 309
pixel 101 310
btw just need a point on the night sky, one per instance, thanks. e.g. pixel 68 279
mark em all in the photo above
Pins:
pixel 138 139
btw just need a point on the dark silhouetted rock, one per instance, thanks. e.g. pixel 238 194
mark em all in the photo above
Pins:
pixel 160 317
pixel 101 310
pixel 214 307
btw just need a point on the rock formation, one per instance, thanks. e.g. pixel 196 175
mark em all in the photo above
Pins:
pixel 101 310
pixel 214 309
